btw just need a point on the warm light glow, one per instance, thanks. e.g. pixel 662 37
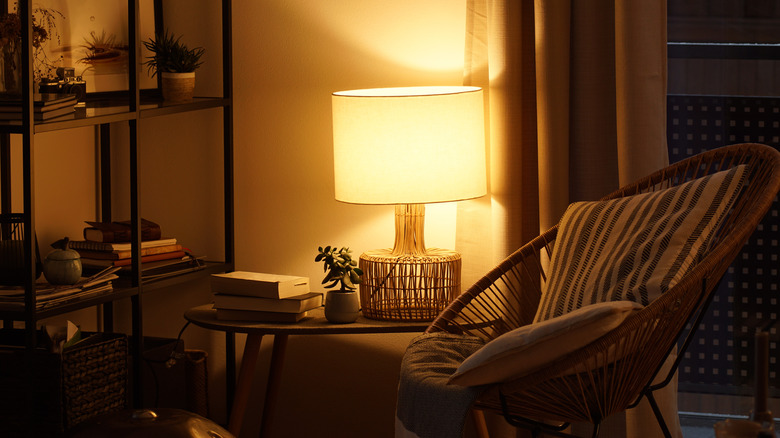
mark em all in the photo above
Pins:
pixel 409 145
pixel 425 36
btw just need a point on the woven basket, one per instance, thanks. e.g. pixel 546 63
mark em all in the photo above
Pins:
pixel 178 87
pixel 12 263
pixel 45 394
pixel 408 287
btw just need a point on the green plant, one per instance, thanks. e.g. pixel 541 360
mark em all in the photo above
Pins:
pixel 169 54
pixel 339 268
pixel 44 28
pixel 103 48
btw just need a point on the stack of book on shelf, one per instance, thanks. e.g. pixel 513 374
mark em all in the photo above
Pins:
pixel 254 296
pixel 48 295
pixel 46 106
pixel 107 244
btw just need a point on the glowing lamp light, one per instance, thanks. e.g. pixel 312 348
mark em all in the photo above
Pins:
pixel 409 146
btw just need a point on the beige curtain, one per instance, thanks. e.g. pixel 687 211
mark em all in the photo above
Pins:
pixel 576 98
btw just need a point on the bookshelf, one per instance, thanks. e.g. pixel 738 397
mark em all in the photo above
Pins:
pixel 104 112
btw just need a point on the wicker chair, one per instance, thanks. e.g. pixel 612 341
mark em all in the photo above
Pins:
pixel 510 293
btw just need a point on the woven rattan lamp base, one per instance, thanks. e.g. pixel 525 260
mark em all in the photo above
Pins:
pixel 408 287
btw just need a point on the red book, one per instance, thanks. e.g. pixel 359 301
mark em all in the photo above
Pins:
pixel 119 231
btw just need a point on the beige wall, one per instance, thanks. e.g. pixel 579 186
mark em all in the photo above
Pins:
pixel 289 56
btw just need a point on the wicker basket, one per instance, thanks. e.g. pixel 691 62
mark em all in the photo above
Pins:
pixel 12 263
pixel 45 394
pixel 408 287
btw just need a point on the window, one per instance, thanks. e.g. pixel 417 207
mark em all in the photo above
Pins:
pixel 724 88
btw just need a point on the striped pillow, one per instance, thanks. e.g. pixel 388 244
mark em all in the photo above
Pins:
pixel 635 248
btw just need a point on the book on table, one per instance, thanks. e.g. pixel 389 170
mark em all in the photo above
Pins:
pixel 258 284
pixel 296 304
pixel 259 316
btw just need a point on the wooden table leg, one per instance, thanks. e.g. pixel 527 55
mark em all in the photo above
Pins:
pixel 274 379
pixel 244 383
pixel 230 370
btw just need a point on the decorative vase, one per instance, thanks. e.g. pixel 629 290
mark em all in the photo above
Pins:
pixel 11 74
pixel 62 266
pixel 178 87
pixel 342 307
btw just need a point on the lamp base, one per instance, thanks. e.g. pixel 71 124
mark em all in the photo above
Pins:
pixel 408 287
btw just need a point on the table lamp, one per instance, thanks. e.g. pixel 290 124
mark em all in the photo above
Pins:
pixel 409 146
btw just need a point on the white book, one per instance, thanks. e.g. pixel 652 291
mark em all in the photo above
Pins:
pixel 296 304
pixel 258 284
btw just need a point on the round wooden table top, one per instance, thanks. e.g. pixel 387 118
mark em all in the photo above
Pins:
pixel 314 324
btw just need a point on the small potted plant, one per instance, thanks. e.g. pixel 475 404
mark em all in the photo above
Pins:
pixel 176 65
pixel 44 28
pixel 342 305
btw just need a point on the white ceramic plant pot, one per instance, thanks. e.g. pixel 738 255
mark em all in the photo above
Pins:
pixel 342 307
pixel 178 87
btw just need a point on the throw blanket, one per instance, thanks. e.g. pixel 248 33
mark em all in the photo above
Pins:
pixel 427 407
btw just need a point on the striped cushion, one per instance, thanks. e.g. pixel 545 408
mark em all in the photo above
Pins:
pixel 637 247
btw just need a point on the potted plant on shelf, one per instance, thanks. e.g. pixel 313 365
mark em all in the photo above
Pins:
pixel 342 305
pixel 44 28
pixel 176 65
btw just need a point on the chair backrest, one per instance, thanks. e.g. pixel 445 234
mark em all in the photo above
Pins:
pixel 632 353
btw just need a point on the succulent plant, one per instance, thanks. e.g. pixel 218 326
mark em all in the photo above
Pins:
pixel 169 54
pixel 339 268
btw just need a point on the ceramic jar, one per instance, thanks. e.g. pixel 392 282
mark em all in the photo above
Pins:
pixel 62 266
pixel 342 307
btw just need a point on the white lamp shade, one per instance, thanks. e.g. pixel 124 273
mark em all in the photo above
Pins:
pixel 409 145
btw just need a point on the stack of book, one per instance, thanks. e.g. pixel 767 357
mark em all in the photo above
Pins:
pixel 46 106
pixel 108 245
pixel 102 254
pixel 48 295
pixel 254 296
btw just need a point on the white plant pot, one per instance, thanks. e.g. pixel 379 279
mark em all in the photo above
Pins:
pixel 342 307
pixel 178 87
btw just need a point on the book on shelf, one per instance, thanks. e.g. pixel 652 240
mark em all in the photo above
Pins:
pixel 41 102
pixel 120 231
pixel 39 115
pixel 296 304
pixel 258 284
pixel 259 316
pixel 160 268
pixel 48 295
pixel 151 271
pixel 89 245
pixel 172 255
pixel 126 254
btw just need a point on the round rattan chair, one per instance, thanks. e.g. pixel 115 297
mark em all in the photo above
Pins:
pixel 615 372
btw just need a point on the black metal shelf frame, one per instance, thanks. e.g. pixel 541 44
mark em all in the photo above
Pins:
pixel 131 108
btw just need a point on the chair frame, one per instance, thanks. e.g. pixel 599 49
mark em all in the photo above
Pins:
pixel 590 384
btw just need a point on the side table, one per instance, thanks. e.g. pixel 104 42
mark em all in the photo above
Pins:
pixel 315 324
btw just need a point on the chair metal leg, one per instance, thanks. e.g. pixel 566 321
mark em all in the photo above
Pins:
pixel 595 430
pixel 658 415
